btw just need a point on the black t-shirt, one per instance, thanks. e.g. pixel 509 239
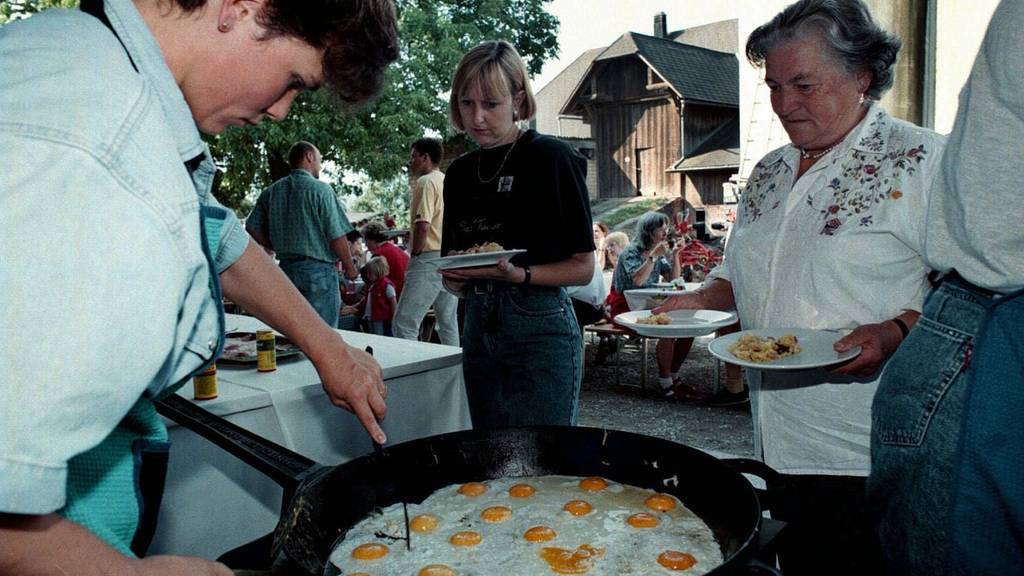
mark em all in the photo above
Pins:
pixel 535 199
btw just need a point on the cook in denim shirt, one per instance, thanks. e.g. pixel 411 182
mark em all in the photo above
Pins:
pixel 113 251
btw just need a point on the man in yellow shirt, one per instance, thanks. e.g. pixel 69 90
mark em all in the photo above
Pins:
pixel 422 282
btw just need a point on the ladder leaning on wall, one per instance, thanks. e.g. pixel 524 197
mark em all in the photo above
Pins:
pixel 764 132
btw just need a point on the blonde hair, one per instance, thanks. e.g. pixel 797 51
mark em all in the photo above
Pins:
pixel 378 266
pixel 617 238
pixel 496 69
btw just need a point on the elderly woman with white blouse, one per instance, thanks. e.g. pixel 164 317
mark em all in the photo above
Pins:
pixel 828 236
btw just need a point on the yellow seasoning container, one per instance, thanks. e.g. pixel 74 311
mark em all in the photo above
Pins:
pixel 266 351
pixel 205 384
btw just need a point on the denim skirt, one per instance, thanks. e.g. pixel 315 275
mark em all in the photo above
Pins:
pixel 522 356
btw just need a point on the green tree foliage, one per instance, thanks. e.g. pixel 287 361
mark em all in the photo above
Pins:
pixel 373 141
pixel 385 196
pixel 16 9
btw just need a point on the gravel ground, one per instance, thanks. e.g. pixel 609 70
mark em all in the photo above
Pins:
pixel 624 406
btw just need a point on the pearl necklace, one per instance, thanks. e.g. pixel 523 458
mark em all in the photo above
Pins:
pixel 479 160
pixel 808 155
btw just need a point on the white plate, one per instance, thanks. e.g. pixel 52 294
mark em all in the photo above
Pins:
pixel 685 323
pixel 647 298
pixel 474 260
pixel 677 284
pixel 815 349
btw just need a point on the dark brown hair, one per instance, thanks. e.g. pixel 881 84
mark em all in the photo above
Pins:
pixel 431 147
pixel 359 38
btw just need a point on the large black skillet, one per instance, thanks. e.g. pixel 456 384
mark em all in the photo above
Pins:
pixel 321 503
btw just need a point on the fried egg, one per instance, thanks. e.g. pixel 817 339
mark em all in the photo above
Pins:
pixel 555 525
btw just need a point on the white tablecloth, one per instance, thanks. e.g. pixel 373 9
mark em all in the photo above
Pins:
pixel 213 502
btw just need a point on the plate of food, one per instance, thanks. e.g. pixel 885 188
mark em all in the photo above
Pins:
pixel 675 323
pixel 240 347
pixel 487 254
pixel 781 348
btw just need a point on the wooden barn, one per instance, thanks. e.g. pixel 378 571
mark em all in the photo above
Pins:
pixel 662 112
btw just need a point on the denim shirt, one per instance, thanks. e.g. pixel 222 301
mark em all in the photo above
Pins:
pixel 108 296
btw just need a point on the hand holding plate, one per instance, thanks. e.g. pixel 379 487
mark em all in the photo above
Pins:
pixel 685 301
pixel 877 343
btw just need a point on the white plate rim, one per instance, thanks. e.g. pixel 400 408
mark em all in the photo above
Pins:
pixel 719 349
pixel 655 291
pixel 627 319
pixel 473 260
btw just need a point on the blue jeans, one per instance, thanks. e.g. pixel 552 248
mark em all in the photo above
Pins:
pixel 522 356
pixel 916 421
pixel 987 523
pixel 318 282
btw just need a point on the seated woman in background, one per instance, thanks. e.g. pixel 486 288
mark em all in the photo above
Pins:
pixel 649 256
pixel 614 244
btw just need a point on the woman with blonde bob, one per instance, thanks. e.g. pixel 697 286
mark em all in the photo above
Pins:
pixel 522 349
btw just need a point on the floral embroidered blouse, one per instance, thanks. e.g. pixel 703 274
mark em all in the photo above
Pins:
pixel 838 248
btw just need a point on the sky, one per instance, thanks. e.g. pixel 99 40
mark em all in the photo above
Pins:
pixel 587 24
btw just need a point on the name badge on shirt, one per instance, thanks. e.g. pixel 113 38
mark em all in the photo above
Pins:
pixel 505 184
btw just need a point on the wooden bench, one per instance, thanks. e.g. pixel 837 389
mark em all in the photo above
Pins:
pixel 617 333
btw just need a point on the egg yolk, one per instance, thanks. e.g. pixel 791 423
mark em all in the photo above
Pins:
pixel 521 491
pixel 472 489
pixel 436 570
pixel 578 561
pixel 466 538
pixel 370 551
pixel 642 520
pixel 539 534
pixel 424 523
pixel 496 514
pixel 593 484
pixel 675 560
pixel 661 503
pixel 578 507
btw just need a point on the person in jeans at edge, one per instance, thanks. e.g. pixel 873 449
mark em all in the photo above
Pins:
pixel 522 348
pixel 300 219
pixel 423 287
pixel 946 488
pixel 102 113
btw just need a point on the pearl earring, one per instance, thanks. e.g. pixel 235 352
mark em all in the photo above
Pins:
pixel 224 27
pixel 515 115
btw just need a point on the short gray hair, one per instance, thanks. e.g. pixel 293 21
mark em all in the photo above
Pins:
pixel 646 226
pixel 847 30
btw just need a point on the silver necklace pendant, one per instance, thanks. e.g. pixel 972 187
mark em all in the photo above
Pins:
pixel 479 161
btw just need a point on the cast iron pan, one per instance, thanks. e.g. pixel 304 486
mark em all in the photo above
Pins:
pixel 322 503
